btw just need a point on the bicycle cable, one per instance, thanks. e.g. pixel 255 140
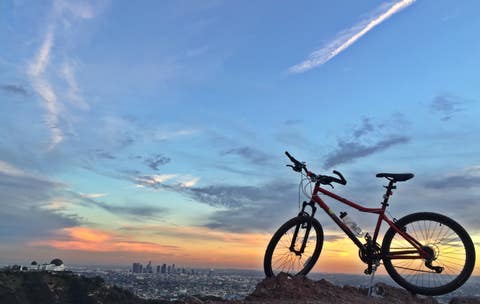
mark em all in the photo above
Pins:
pixel 302 188
pixel 305 186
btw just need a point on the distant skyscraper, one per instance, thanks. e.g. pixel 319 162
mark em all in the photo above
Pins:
pixel 164 268
pixel 148 268
pixel 173 268
pixel 158 269
pixel 169 268
pixel 137 268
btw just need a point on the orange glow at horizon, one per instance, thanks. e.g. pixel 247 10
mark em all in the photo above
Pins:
pixel 196 246
pixel 94 240
pixel 87 234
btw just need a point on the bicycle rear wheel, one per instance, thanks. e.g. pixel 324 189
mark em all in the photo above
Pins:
pixel 284 252
pixel 452 254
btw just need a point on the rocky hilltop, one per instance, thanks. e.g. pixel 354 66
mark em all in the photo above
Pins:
pixel 49 288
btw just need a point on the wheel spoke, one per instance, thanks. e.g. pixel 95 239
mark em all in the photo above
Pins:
pixel 282 259
pixel 446 246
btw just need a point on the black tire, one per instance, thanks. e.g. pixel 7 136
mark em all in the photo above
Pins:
pixel 278 256
pixel 451 247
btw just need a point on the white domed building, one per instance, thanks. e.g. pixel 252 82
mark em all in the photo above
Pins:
pixel 55 265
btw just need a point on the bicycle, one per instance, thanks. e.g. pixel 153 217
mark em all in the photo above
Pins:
pixel 426 253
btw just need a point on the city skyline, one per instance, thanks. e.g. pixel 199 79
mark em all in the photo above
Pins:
pixel 157 131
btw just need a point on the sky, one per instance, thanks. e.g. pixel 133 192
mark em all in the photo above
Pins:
pixel 156 130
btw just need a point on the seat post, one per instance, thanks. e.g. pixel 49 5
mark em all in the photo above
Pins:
pixel 389 192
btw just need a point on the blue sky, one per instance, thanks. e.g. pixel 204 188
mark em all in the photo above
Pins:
pixel 158 114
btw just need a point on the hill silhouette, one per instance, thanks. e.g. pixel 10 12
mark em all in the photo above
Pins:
pixel 53 288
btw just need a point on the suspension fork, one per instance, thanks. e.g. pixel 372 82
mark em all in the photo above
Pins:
pixel 307 226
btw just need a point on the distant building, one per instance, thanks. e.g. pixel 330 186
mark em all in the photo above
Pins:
pixel 55 265
pixel 158 269
pixel 169 268
pixel 164 268
pixel 173 268
pixel 148 268
pixel 137 268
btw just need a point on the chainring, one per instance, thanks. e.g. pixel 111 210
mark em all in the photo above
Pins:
pixel 369 252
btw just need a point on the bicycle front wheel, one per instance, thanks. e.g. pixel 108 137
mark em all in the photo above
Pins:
pixel 294 248
pixel 450 248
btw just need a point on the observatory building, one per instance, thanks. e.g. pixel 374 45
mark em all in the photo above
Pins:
pixel 55 265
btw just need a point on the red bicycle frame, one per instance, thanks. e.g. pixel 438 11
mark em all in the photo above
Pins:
pixel 403 254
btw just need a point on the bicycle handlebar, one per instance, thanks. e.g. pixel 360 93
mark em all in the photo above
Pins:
pixel 323 179
pixel 342 179
pixel 292 158
pixel 298 166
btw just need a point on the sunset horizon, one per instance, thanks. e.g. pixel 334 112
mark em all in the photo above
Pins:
pixel 156 131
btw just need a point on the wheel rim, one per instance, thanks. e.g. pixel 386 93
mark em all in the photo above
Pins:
pixel 445 248
pixel 285 260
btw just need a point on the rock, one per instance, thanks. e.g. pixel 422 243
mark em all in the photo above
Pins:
pixel 192 300
pixel 397 295
pixel 286 289
pixel 465 300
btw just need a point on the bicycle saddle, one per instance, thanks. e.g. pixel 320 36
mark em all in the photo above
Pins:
pixel 396 177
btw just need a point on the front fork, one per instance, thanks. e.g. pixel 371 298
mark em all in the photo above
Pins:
pixel 307 226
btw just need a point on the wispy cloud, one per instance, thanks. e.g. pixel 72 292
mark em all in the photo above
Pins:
pixel 364 140
pixel 9 169
pixel 251 154
pixel 74 92
pixel 60 15
pixel 44 88
pixel 133 210
pixel 446 106
pixel 163 134
pixel 245 208
pixel 158 181
pixel 79 9
pixel 156 161
pixel 152 180
pixel 348 151
pixel 347 38
pixel 14 89
pixel 24 194
pixel 92 195
pixel 137 213
pixel 38 66
pixel 468 178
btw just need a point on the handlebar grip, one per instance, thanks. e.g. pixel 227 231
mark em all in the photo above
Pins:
pixel 342 180
pixel 293 160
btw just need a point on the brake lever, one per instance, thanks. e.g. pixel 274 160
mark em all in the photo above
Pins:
pixel 295 168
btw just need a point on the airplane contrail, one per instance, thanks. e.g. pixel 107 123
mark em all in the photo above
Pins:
pixel 340 44
pixel 44 88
